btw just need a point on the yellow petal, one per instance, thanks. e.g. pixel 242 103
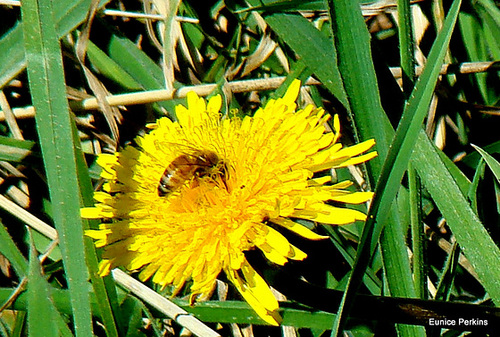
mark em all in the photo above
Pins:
pixel 277 241
pixel 336 127
pixel 319 181
pixel 91 213
pixel 296 254
pixel 292 92
pixel 107 162
pixel 97 234
pixel 298 229
pixel 357 160
pixel 214 105
pixel 330 215
pixel 352 198
pixel 338 216
pixel 102 197
pixel 272 255
pixel 104 267
pixel 357 149
pixel 256 292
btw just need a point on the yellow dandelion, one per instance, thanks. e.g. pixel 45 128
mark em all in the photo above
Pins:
pixel 194 195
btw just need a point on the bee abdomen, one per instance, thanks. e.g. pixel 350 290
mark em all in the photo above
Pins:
pixel 172 178
pixel 186 167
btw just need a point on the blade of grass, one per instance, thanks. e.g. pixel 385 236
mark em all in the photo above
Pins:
pixel 492 163
pixel 9 249
pixel 48 90
pixel 417 234
pixel 355 63
pixel 104 288
pixel 446 280
pixel 69 14
pixel 133 309
pixel 406 46
pixel 41 313
pixel 472 193
pixel 371 280
pixel 471 31
pixel 473 158
pixel 14 150
pixel 109 68
pixel 473 238
pixel 311 45
pixel 490 13
pixel 138 65
pixel 461 180
pixel 400 151
pixel 396 265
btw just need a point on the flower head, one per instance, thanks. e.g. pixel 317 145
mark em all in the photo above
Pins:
pixel 194 195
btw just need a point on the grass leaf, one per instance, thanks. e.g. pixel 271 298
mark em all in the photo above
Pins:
pixel 41 312
pixel 397 158
pixel 10 251
pixel 68 15
pixel 473 238
pixel 492 163
pixel 54 125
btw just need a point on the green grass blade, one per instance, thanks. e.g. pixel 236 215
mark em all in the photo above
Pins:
pixel 492 163
pixel 15 150
pixel 41 312
pixel 473 158
pixel 137 67
pixel 109 68
pixel 401 148
pixel 352 43
pixel 355 64
pixel 288 6
pixel 472 192
pixel 492 11
pixel 462 181
pixel 471 30
pixel 372 282
pixel 396 264
pixel 104 288
pixel 406 45
pixel 12 55
pixel 134 315
pixel 9 249
pixel 46 78
pixel 137 63
pixel 473 238
pixel 417 234
pixel 445 283
pixel 68 15
pixel 411 121
pixel 311 45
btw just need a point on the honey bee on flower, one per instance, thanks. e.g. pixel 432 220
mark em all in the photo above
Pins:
pixel 192 166
pixel 190 216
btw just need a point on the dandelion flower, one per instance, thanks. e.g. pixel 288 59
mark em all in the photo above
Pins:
pixel 205 220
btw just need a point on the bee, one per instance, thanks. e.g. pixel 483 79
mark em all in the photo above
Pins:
pixel 199 164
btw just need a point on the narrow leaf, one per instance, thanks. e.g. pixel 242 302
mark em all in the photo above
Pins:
pixel 492 163
pixel 48 90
